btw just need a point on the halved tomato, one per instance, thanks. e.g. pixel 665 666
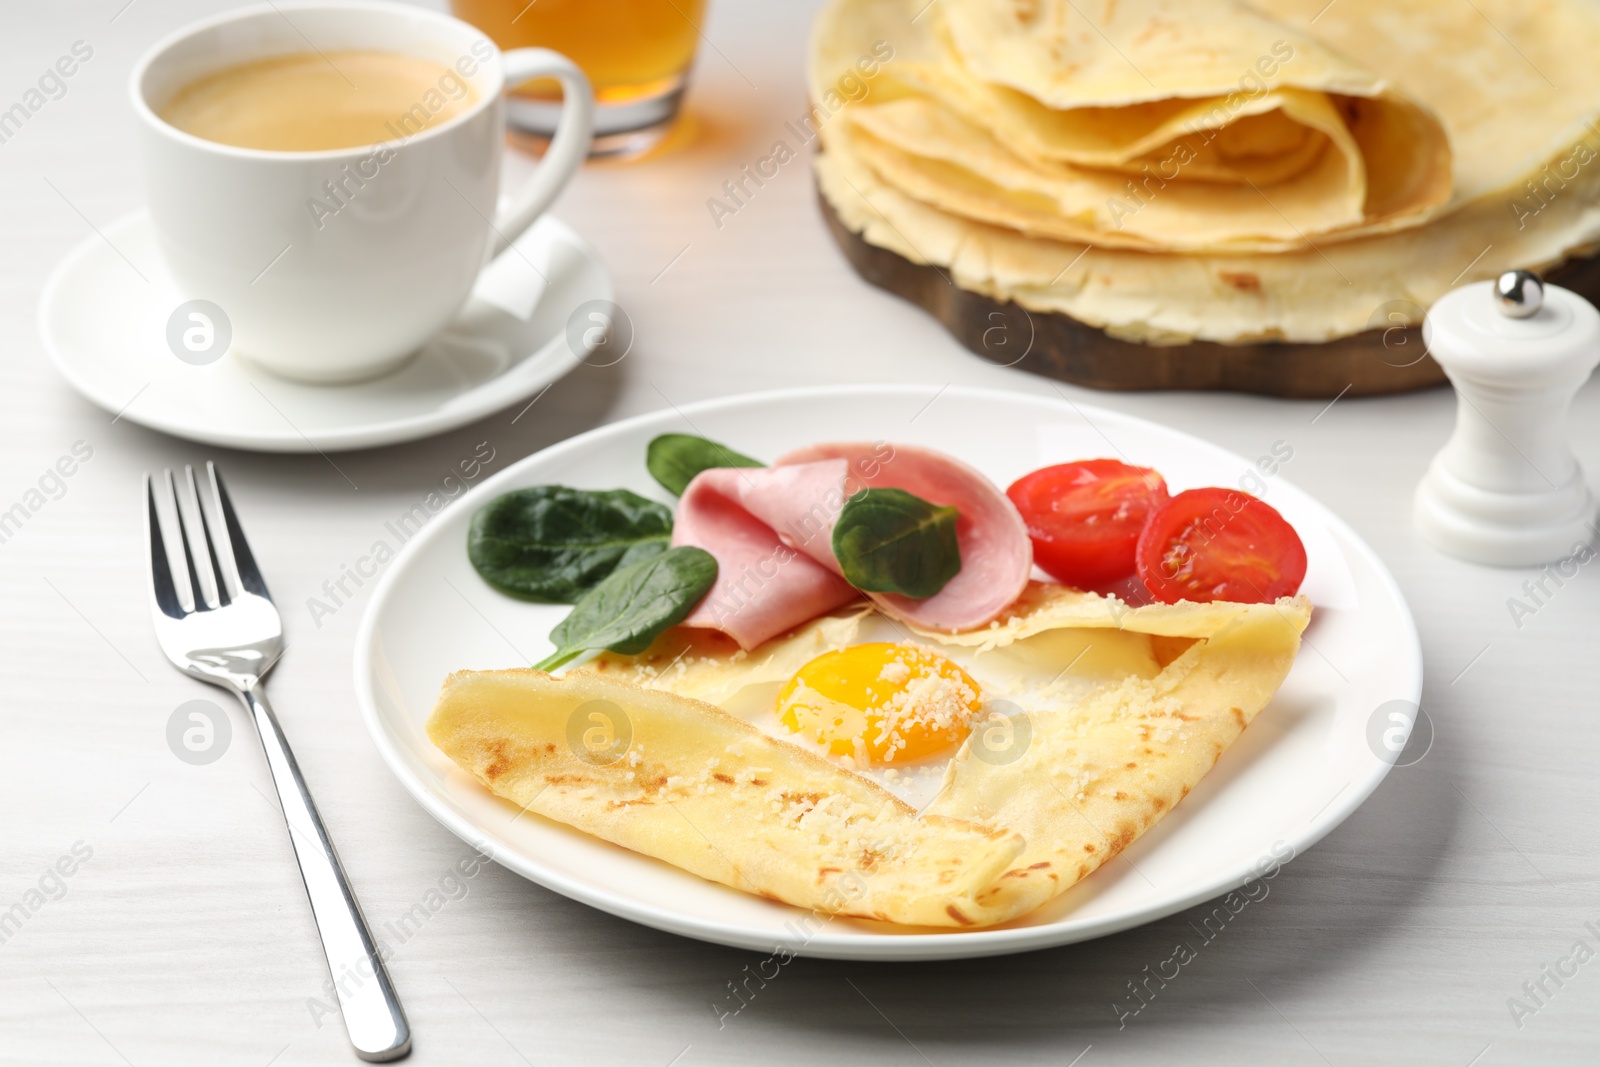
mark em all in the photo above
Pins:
pixel 1085 518
pixel 1220 544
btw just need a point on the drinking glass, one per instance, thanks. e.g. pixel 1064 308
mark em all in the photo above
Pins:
pixel 637 54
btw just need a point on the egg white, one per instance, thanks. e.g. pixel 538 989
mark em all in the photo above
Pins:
pixel 1041 658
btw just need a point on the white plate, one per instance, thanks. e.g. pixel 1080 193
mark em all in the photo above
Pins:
pixel 103 319
pixel 1302 767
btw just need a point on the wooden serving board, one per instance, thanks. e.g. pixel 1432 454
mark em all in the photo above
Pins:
pixel 1058 346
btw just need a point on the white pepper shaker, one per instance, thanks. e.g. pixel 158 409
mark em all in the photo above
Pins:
pixel 1506 489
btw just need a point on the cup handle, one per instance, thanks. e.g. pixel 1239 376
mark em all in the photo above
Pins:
pixel 568 148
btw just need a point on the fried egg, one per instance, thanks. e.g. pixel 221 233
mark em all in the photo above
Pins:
pixel 881 702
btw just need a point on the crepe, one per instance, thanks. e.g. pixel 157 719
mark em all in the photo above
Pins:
pixel 1091 783
pixel 1179 125
pixel 1167 692
pixel 1524 187
pixel 715 796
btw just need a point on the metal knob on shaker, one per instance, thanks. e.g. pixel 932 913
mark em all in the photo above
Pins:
pixel 1506 489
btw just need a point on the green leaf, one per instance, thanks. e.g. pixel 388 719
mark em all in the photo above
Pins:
pixel 552 544
pixel 888 541
pixel 673 459
pixel 630 608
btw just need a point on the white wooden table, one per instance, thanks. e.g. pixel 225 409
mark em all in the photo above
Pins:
pixel 184 936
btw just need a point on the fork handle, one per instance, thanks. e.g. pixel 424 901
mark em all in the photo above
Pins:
pixel 372 1013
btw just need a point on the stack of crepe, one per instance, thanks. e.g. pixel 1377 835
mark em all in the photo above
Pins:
pixel 1173 170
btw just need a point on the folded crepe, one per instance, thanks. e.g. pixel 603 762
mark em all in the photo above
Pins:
pixel 714 795
pixel 1525 184
pixel 1177 125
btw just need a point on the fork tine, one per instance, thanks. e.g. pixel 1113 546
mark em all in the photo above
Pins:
pixel 227 584
pixel 161 584
pixel 197 592
pixel 244 560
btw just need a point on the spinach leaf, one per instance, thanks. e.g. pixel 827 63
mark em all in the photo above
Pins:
pixel 626 611
pixel 888 541
pixel 673 459
pixel 551 543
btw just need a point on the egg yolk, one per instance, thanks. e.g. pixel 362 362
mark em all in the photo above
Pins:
pixel 881 702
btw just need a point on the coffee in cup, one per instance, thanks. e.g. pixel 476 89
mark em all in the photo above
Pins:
pixel 309 102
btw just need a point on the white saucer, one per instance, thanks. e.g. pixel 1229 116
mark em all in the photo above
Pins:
pixel 105 328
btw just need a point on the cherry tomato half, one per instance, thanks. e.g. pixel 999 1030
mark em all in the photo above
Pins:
pixel 1220 544
pixel 1085 518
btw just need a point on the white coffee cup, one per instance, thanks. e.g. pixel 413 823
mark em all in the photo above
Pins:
pixel 353 287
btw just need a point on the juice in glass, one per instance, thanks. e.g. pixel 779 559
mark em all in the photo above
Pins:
pixel 637 54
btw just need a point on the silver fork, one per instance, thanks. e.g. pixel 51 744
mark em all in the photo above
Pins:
pixel 220 626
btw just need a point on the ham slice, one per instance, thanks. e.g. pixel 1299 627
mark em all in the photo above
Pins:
pixel 996 554
pixel 764 587
pixel 771 531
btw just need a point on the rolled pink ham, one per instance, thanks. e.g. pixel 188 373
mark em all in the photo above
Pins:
pixel 764 587
pixel 771 531
pixel 996 554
